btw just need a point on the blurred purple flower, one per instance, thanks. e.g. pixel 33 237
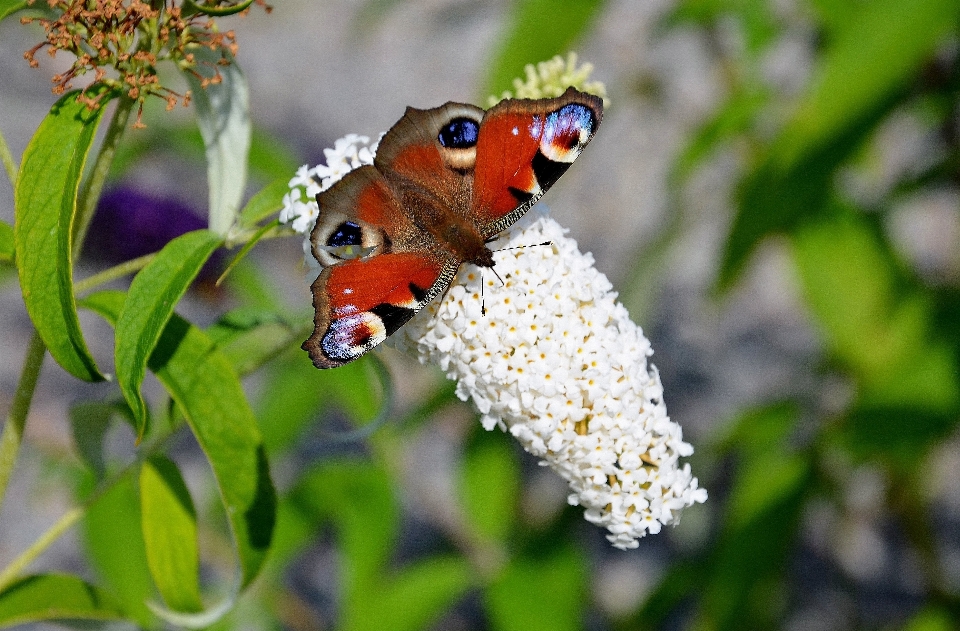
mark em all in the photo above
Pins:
pixel 130 223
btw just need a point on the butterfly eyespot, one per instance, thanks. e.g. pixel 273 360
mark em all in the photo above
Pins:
pixel 460 133
pixel 347 252
pixel 347 233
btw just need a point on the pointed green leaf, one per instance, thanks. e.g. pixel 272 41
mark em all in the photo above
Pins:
pixel 877 54
pixel 46 201
pixel 170 534
pixel 202 382
pixel 537 31
pixel 55 597
pixel 266 202
pixel 247 247
pixel 223 114
pixel 113 541
pixel 9 7
pixel 6 242
pixel 154 293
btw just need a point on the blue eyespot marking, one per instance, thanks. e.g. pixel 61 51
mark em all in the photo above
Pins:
pixel 460 133
pixel 563 126
pixel 347 233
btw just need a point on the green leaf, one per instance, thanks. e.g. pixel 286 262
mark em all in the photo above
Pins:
pixel 741 581
pixel 247 247
pixel 735 117
pixel 358 499
pixel 154 293
pixel 9 7
pixel 113 539
pixel 266 202
pixel 764 481
pixel 756 19
pixel 270 157
pixel 89 422
pixel 490 483
pixel 220 10
pixel 901 434
pixel 55 597
pixel 537 30
pixel 864 73
pixel 170 534
pixel 759 430
pixel 415 599
pixel 877 328
pixel 249 338
pixel 202 382
pixel 931 618
pixel 6 242
pixel 223 115
pixel 543 593
pixel 46 201
pixel 878 53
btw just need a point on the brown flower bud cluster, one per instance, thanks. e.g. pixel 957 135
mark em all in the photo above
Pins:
pixel 122 41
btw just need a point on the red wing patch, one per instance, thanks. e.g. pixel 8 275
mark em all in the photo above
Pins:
pixel 525 146
pixel 503 174
pixel 360 302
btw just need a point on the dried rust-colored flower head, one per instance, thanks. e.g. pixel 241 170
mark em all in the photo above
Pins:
pixel 131 37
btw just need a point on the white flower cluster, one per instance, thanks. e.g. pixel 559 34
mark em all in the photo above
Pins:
pixel 551 78
pixel 555 360
pixel 558 363
pixel 300 208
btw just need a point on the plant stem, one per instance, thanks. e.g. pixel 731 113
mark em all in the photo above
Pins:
pixel 113 273
pixel 16 567
pixel 16 422
pixel 12 571
pixel 87 204
pixel 9 164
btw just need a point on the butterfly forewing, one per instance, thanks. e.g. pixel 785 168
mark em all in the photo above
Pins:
pixel 524 147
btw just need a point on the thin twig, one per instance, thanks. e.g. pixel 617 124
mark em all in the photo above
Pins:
pixel 9 164
pixel 113 273
pixel 16 422
pixel 90 197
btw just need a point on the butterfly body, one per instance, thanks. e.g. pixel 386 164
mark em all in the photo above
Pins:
pixel 444 183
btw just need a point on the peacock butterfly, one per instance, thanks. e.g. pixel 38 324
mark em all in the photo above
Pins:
pixel 444 183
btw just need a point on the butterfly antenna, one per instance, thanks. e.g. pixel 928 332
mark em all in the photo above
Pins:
pixel 483 303
pixel 532 245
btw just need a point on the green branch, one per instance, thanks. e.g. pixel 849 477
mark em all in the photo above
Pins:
pixel 9 164
pixel 87 204
pixel 16 422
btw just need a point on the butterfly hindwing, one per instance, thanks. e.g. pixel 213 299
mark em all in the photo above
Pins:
pixel 359 302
